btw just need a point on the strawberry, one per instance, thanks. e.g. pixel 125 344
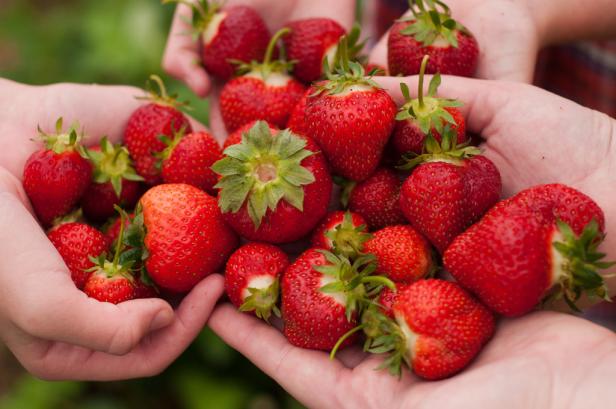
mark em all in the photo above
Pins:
pixel 265 91
pixel 252 278
pixel 236 137
pixel 182 235
pixel 76 243
pixel 110 282
pixel 144 290
pixel 417 117
pixel 402 254
pixel 351 118
pixel 273 188
pixel 145 126
pixel 188 159
pixel 452 187
pixel 388 297
pixel 451 47
pixel 296 121
pixel 114 182
pixel 375 70
pixel 56 176
pixel 376 199
pixel 341 232
pixel 540 244
pixel 112 229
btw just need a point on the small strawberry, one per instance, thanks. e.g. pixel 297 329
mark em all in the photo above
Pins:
pixel 273 188
pixel 56 176
pixel 451 47
pixel 538 245
pixel 252 278
pixel 417 117
pixel 342 233
pixel 76 243
pixel 451 189
pixel 402 254
pixel 351 118
pixel 188 159
pixel 264 91
pixel 142 136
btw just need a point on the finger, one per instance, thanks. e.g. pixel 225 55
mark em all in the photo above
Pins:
pixel 299 371
pixel 216 122
pixel 378 54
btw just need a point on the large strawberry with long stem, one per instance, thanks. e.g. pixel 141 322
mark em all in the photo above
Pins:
pixel 264 91
pixel 342 233
pixel 351 118
pixel 431 30
pixel 451 187
pixel 56 176
pixel 146 125
pixel 538 245
pixel 273 188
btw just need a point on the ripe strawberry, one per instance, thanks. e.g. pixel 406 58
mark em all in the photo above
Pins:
pixel 252 278
pixel 145 126
pixel 540 244
pixel 296 122
pixel 449 191
pixel 183 236
pixel 188 159
pixel 388 297
pixel 143 290
pixel 451 47
pixel 114 182
pixel 351 119
pixel 236 137
pixel 110 283
pixel 265 91
pixel 375 69
pixel 112 230
pixel 56 176
pixel 417 117
pixel 274 188
pixel 402 254
pixel 376 199
pixel 342 233
pixel 76 243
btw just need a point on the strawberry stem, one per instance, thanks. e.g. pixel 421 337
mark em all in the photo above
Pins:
pixel 116 256
pixel 270 47
pixel 161 86
pixel 422 71
pixel 343 338
pixel 381 280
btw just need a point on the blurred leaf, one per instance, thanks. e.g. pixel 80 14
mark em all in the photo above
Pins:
pixel 198 390
pixel 213 349
pixel 32 393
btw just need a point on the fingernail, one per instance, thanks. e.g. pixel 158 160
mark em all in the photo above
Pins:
pixel 161 320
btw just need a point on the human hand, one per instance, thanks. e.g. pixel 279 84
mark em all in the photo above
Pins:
pixel 54 329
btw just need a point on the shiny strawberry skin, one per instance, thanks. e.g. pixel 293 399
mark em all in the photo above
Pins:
pixel 351 129
pixel 144 127
pixel 506 258
pixel 99 198
pixel 113 230
pixel 55 182
pixel 402 254
pixel 442 199
pixel 76 242
pixel 190 162
pixel 409 138
pixel 332 220
pixel 376 199
pixel 309 41
pixel 312 319
pixel 297 122
pixel 404 54
pixel 250 261
pixel 236 137
pixel 113 290
pixel 388 297
pixel 246 99
pixel 242 35
pixel 451 326
pixel 185 236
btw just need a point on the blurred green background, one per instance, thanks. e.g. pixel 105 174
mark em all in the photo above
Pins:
pixel 110 42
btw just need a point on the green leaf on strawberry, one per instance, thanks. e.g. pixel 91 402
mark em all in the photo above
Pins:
pixel 432 23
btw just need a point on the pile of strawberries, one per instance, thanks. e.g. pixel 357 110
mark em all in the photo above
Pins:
pixel 416 198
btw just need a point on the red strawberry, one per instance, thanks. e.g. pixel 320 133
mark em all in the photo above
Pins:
pixel 76 243
pixel 274 188
pixel 351 119
pixel 375 69
pixel 112 230
pixel 107 285
pixel 56 176
pixel 402 254
pixel 188 159
pixel 450 191
pixel 252 278
pixel 184 236
pixel 541 243
pixel 147 124
pixel 236 137
pixel 143 290
pixel 376 199
pixel 425 114
pixel 265 91
pixel 341 232
pixel 297 122
pixel 388 297
pixel 451 47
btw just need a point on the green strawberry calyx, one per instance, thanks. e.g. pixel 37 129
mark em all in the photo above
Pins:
pixel 112 163
pixel 156 92
pixel 261 171
pixel 432 23
pixel 346 238
pixel 170 145
pixel 580 263
pixel 263 301
pixel 351 51
pixel 267 67
pixel 427 111
pixel 61 141
pixel 203 11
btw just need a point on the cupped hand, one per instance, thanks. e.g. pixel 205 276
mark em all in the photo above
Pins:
pixel 54 329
